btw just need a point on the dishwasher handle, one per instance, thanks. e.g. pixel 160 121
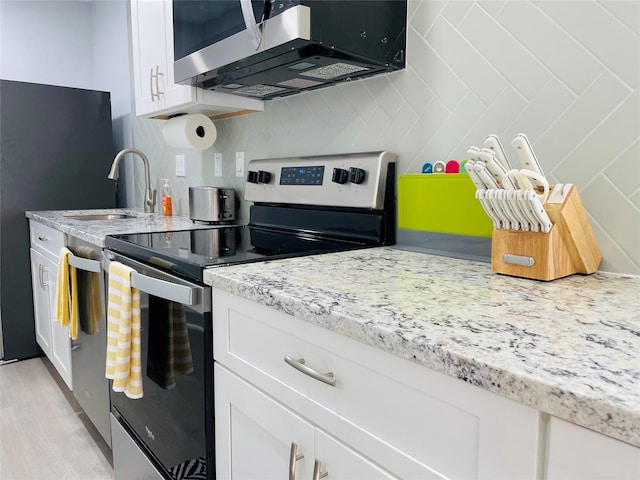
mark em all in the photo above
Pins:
pixel 85 264
pixel 164 289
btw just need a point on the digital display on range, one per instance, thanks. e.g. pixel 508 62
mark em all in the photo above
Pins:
pixel 301 175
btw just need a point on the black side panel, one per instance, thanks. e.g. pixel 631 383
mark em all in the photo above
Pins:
pixel 56 150
pixel 371 28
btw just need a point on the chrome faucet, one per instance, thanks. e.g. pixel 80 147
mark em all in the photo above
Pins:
pixel 149 194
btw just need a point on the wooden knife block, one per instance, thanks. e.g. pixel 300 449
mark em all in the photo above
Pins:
pixel 570 247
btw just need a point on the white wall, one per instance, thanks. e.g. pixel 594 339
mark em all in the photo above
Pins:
pixel 46 42
pixel 566 73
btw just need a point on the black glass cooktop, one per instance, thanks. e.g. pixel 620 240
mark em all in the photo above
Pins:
pixel 189 252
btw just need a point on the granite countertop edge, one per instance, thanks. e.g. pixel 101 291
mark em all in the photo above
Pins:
pixel 589 402
pixel 95 231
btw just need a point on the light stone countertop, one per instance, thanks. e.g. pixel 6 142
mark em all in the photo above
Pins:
pixel 94 231
pixel 570 347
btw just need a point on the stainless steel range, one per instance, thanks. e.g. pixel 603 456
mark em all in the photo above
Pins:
pixel 301 206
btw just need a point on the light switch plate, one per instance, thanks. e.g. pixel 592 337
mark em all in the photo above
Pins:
pixel 180 168
pixel 217 164
pixel 239 164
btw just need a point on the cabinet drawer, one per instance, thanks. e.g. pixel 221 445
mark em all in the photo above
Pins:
pixel 46 238
pixel 441 423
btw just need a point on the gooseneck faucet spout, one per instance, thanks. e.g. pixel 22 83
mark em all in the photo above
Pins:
pixel 149 194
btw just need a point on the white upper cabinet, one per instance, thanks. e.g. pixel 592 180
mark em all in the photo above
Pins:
pixel 156 94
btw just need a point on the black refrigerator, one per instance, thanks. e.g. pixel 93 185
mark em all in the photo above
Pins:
pixel 56 148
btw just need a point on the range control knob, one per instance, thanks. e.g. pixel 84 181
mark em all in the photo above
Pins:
pixel 340 175
pixel 356 175
pixel 252 177
pixel 263 177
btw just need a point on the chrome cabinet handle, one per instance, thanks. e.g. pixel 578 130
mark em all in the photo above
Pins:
pixel 317 471
pixel 155 77
pixel 40 276
pixel 158 73
pixel 42 238
pixel 46 281
pixel 294 456
pixel 153 95
pixel 329 378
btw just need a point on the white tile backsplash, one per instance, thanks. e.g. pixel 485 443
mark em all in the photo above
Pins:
pixel 516 64
pixel 566 73
pixel 526 22
pixel 600 32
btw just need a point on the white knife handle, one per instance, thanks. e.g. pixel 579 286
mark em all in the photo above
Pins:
pixel 488 208
pixel 512 198
pixel 470 167
pixel 485 176
pixel 540 212
pixel 495 169
pixel 473 153
pixel 493 142
pixel 528 210
pixel 526 156
pixel 498 208
pixel 507 206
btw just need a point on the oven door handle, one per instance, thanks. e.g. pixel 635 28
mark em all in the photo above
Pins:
pixel 163 289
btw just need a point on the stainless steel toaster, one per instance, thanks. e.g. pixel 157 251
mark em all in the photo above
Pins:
pixel 212 204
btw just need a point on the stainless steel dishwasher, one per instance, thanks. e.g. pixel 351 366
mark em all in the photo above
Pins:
pixel 89 350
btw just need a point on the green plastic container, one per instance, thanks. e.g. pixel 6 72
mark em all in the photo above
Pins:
pixel 444 203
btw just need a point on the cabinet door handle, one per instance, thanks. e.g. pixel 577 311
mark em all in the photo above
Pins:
pixel 158 73
pixel 46 281
pixel 317 471
pixel 153 95
pixel 40 276
pixel 294 456
pixel 42 238
pixel 155 77
pixel 329 378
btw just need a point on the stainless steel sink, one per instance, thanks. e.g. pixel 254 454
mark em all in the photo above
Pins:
pixel 101 216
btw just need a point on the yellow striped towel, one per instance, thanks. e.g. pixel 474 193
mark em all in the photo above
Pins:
pixel 124 365
pixel 66 311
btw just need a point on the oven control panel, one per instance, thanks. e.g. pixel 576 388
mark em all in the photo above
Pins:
pixel 350 180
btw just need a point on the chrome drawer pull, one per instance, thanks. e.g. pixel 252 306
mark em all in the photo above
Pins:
pixel 328 378
pixel 317 471
pixel 294 456
pixel 42 238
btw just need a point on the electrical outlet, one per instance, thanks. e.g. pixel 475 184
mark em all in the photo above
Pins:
pixel 217 164
pixel 239 164
pixel 180 168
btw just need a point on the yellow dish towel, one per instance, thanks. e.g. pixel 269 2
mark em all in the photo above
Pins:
pixel 67 299
pixel 124 365
pixel 95 305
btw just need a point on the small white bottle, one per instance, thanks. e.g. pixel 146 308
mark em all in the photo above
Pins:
pixel 167 202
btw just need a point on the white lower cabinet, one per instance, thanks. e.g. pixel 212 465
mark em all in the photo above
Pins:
pixel 369 414
pixel 41 286
pixel 52 338
pixel 259 438
pixel 576 453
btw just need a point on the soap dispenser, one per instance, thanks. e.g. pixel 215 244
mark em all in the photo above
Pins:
pixel 167 202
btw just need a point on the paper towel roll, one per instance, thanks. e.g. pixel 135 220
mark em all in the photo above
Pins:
pixel 195 131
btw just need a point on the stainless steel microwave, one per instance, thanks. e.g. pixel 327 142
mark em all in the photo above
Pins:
pixel 272 48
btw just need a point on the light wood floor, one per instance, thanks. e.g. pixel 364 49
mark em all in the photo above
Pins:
pixel 43 432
